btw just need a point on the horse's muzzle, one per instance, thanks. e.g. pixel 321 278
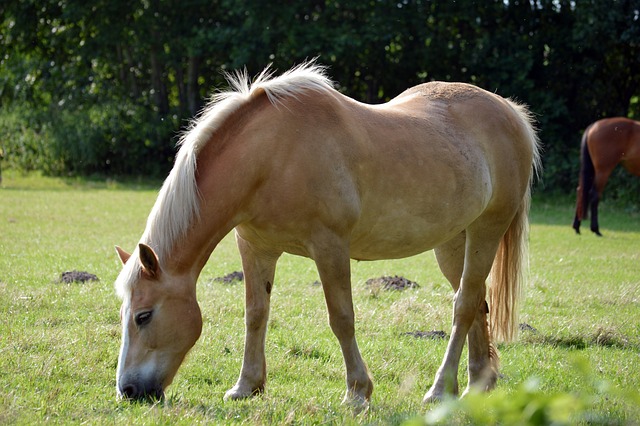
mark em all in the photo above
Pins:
pixel 140 392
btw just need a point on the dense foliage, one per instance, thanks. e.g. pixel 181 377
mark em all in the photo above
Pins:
pixel 105 86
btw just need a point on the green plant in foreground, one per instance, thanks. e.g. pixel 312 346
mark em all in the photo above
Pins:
pixel 529 404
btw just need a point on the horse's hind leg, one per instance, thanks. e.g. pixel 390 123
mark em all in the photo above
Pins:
pixel 332 260
pixel 576 224
pixel 595 227
pixel 600 181
pixel 483 356
pixel 594 200
pixel 259 270
pixel 469 304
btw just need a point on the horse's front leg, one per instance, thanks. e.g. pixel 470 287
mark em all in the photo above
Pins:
pixel 259 271
pixel 334 268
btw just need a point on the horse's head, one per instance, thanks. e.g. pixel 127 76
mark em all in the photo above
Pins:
pixel 161 321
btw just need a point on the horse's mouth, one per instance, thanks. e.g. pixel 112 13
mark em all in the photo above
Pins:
pixel 143 392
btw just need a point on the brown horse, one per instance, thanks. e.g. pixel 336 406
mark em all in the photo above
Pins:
pixel 605 144
pixel 294 166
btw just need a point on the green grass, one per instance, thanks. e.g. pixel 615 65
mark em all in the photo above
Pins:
pixel 59 342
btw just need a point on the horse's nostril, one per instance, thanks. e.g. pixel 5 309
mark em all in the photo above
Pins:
pixel 130 391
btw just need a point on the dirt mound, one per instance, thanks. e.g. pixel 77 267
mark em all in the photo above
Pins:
pixel 435 335
pixel 392 283
pixel 233 277
pixel 77 276
pixel 526 327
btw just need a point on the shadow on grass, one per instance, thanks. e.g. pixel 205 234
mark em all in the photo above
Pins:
pixel 601 337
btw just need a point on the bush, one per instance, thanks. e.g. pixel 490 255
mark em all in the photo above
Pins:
pixel 26 143
pixel 108 139
pixel 115 138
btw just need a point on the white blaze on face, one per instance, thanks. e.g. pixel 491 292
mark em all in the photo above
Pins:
pixel 133 370
pixel 124 347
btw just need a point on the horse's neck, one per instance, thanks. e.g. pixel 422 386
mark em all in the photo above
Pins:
pixel 223 184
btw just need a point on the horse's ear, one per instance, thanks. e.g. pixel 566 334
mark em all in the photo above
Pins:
pixel 123 255
pixel 149 260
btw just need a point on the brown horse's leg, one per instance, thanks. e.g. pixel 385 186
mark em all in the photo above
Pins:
pixel 602 176
pixel 594 201
pixel 576 224
pixel 259 270
pixel 480 250
pixel 332 260
pixel 483 357
pixel 577 219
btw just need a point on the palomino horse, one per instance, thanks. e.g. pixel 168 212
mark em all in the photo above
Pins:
pixel 294 166
pixel 605 144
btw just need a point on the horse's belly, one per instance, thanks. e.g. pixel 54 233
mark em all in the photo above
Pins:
pixel 399 248
pixel 402 233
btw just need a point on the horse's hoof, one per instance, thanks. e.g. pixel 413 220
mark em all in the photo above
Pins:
pixel 358 397
pixel 236 393
pixel 357 403
pixel 433 397
pixel 233 395
pixel 471 390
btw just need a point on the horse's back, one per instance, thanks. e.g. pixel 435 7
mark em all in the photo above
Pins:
pixel 480 131
pixel 441 155
pixel 614 129
pixel 394 179
pixel 614 140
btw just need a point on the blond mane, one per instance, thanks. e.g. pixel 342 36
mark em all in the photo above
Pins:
pixel 178 201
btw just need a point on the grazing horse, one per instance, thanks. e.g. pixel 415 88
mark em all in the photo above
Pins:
pixel 295 166
pixel 605 144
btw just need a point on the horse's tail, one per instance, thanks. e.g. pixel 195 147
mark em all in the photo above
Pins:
pixel 511 261
pixel 587 175
pixel 507 275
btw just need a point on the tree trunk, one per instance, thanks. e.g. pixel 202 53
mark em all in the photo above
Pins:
pixel 193 88
pixel 129 67
pixel 159 87
pixel 182 90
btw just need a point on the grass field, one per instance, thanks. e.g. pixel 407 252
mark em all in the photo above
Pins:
pixel 576 362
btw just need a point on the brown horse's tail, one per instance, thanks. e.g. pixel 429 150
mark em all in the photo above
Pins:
pixel 511 261
pixel 585 183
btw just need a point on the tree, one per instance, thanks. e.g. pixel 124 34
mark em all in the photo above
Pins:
pixel 105 86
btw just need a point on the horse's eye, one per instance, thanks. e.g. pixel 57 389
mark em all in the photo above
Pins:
pixel 143 318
